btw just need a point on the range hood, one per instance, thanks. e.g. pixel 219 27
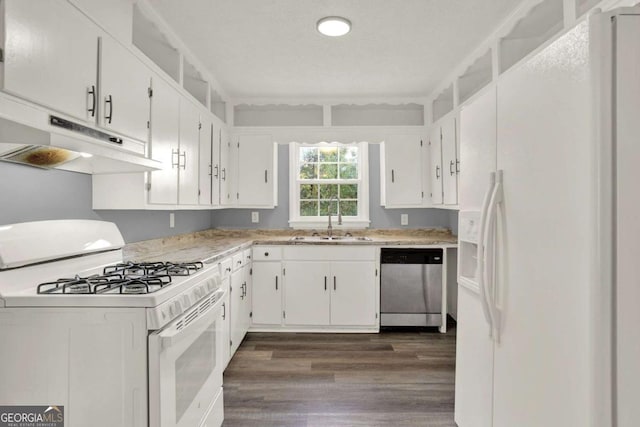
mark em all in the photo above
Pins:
pixel 35 137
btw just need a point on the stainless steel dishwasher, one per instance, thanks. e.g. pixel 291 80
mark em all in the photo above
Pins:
pixel 411 287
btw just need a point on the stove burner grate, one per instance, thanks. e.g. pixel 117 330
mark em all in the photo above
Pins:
pixel 124 278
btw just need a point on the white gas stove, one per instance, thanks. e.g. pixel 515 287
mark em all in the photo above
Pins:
pixel 76 318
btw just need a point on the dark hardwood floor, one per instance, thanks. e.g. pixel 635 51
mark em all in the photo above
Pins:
pixel 387 379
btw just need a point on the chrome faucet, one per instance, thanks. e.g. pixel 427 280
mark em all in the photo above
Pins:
pixel 330 227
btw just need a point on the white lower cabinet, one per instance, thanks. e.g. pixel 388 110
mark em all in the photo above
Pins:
pixel 311 288
pixel 226 326
pixel 240 300
pixel 307 296
pixel 330 293
pixel 267 293
pixel 353 297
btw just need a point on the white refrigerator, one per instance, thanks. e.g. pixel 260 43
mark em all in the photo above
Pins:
pixel 548 285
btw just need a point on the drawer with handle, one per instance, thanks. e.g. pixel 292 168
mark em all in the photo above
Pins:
pixel 267 253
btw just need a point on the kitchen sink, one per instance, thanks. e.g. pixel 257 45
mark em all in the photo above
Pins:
pixel 331 239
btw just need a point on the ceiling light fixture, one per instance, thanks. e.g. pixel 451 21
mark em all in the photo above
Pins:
pixel 334 26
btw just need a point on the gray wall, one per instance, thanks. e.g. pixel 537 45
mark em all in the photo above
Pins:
pixel 379 216
pixel 31 194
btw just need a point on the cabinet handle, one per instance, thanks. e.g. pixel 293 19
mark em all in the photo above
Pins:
pixel 266 254
pixel 276 283
pixel 224 311
pixel 216 174
pixel 451 171
pixel 109 101
pixel 239 262
pixel 457 166
pixel 184 156
pixel 175 163
pixel 244 288
pixel 334 283
pixel 393 175
pixel 92 92
pixel 325 283
pixel 265 176
pixel 224 174
pixel 437 172
pixel 210 170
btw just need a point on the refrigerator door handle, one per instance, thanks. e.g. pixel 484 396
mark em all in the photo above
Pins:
pixel 489 243
pixel 480 258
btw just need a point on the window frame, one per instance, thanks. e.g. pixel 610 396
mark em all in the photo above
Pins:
pixel 313 222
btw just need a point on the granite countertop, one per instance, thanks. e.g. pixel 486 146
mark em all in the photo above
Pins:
pixel 213 244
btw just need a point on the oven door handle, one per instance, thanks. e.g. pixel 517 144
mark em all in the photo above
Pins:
pixel 178 332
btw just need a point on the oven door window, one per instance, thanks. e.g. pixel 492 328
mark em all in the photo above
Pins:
pixel 193 368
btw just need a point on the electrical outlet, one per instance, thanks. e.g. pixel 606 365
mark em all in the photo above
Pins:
pixel 255 217
pixel 404 219
pixel 172 220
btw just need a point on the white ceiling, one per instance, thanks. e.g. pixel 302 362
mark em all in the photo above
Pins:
pixel 270 48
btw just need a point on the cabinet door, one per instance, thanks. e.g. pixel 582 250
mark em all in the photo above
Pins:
pixel 353 293
pixel 226 330
pixel 248 296
pixel 165 127
pixel 267 293
pixel 435 145
pixel 449 162
pixel 255 171
pixel 124 88
pixel 226 171
pixel 205 196
pixel 236 310
pixel 216 135
pixel 49 61
pixel 306 294
pixel 188 157
pixel 403 170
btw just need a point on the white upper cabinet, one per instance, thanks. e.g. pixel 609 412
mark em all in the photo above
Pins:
pixel 210 136
pixel 445 164
pixel 403 164
pixel 216 136
pixel 205 195
pixel 255 171
pixel 188 153
pixel 165 128
pixel 124 84
pixel 450 163
pixel 50 56
pixel 226 170
pixel 435 146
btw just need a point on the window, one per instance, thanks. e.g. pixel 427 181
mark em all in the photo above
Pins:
pixel 328 178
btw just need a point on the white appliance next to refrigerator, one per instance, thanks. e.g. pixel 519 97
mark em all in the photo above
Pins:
pixel 548 232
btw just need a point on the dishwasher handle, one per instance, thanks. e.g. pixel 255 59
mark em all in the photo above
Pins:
pixel 411 256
